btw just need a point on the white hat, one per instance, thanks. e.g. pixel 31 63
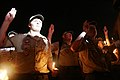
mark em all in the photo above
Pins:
pixel 39 16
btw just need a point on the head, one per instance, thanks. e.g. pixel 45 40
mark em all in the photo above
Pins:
pixel 35 22
pixel 85 26
pixel 92 31
pixel 100 43
pixel 67 36
pixel 87 23
pixel 11 34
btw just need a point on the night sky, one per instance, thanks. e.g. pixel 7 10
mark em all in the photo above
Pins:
pixel 64 14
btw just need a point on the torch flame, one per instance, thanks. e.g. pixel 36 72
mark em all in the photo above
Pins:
pixel 3 74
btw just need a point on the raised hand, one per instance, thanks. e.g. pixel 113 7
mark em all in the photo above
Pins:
pixel 51 29
pixel 85 26
pixel 10 15
pixel 8 19
pixel 50 32
pixel 105 31
pixel 106 35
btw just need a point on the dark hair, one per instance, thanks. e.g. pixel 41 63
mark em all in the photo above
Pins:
pixel 68 32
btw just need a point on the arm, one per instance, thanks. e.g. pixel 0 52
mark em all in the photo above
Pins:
pixel 81 35
pixel 8 19
pixel 76 45
pixel 79 39
pixel 106 36
pixel 50 33
pixel 112 47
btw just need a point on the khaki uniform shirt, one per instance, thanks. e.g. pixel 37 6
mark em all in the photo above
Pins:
pixel 66 56
pixel 91 57
pixel 33 53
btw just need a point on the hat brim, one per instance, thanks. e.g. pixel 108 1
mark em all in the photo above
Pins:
pixel 39 16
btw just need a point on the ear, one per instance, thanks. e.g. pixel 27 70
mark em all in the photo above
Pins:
pixel 63 36
pixel 29 25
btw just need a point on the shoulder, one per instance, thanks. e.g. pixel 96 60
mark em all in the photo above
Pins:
pixel 19 36
pixel 55 43
pixel 44 39
pixel 42 36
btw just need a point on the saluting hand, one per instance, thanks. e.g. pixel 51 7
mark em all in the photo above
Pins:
pixel 105 30
pixel 51 29
pixel 10 15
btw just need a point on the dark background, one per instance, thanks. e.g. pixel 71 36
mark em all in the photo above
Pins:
pixel 64 14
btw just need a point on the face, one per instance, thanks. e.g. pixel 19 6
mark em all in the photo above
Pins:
pixel 35 25
pixel 67 36
pixel 100 44
pixel 92 32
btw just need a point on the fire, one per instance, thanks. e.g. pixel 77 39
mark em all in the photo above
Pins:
pixel 3 74
pixel 53 66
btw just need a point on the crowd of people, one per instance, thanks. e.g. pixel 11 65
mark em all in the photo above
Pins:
pixel 86 58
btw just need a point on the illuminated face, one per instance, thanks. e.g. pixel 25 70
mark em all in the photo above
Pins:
pixel 67 36
pixel 100 44
pixel 36 25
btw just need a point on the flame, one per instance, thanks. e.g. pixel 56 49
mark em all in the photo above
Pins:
pixel 3 74
pixel 53 66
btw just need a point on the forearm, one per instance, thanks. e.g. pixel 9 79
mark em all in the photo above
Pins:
pixel 50 32
pixel 107 40
pixel 76 45
pixel 81 35
pixel 4 27
pixel 50 63
pixel 3 31
pixel 49 37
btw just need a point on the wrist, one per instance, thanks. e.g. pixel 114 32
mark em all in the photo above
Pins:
pixel 81 35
